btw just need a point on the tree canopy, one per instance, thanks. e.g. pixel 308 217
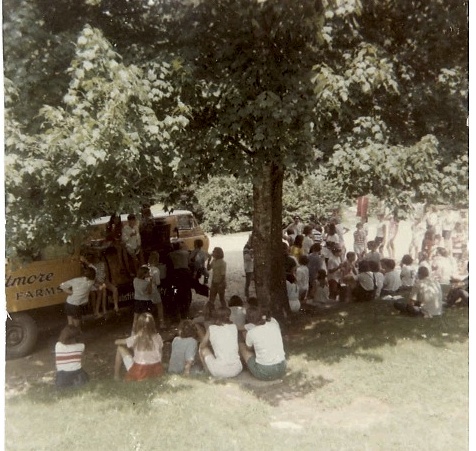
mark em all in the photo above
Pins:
pixel 110 103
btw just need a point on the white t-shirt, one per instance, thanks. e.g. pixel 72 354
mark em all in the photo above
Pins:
pixel 392 281
pixel 149 357
pixel 302 277
pixel 408 275
pixel 81 286
pixel 224 340
pixel 307 243
pixel 293 296
pixel 140 290
pixel 267 342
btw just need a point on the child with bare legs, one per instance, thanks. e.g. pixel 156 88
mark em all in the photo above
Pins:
pixel 146 344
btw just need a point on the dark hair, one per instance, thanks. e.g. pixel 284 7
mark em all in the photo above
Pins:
pixel 290 277
pixel 187 329
pixel 374 266
pixel 298 240
pixel 303 260
pixel 253 301
pixel 90 273
pixel 307 230
pixel 442 251
pixel 332 229
pixel 131 216
pixel 222 316
pixel 371 245
pixel 142 272
pixel 407 259
pixel 316 247
pixel 219 252
pixel 69 334
pixel 235 301
pixel 364 266
pixel 350 254
pixel 321 274
pixel 423 272
pixel 198 243
pixel 255 316
pixel 388 263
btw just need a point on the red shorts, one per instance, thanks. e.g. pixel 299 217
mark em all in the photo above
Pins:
pixel 139 372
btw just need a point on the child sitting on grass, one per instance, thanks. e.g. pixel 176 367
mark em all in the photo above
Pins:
pixel 146 360
pixel 184 349
pixel 238 312
pixel 68 354
pixel 263 350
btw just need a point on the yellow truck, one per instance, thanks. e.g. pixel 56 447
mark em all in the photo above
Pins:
pixel 35 286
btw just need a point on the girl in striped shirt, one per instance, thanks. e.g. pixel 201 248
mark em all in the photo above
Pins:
pixel 68 355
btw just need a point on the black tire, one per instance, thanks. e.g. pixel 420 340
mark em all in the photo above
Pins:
pixel 21 334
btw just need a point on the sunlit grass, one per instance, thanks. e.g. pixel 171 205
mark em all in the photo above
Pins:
pixel 359 379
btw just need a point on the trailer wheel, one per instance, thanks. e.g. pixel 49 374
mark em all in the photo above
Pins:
pixel 21 334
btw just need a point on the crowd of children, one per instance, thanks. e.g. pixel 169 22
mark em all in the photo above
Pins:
pixel 219 342
pixel 326 273
pixel 319 272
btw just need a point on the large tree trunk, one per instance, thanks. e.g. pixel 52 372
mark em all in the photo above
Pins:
pixel 267 243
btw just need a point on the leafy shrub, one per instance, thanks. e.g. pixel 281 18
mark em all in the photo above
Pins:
pixel 227 203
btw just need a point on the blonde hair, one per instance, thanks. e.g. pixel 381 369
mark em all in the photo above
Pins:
pixel 144 332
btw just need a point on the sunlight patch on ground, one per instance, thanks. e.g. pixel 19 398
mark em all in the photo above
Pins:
pixel 362 413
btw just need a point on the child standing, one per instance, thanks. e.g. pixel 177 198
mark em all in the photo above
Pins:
pixel 146 344
pixel 132 242
pixel 218 266
pixel 360 241
pixel 198 258
pixel 78 295
pixel 184 349
pixel 142 294
pixel 347 273
pixel 334 265
pixel 68 355
pixel 155 275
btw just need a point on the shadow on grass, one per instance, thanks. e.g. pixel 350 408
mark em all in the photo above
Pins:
pixel 350 329
pixel 138 393
pixel 294 385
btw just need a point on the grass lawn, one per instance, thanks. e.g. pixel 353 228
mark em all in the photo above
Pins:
pixel 359 378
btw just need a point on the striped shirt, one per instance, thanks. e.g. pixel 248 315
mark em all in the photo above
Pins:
pixel 68 357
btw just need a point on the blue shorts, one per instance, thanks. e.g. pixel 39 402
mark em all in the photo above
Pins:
pixel 266 372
